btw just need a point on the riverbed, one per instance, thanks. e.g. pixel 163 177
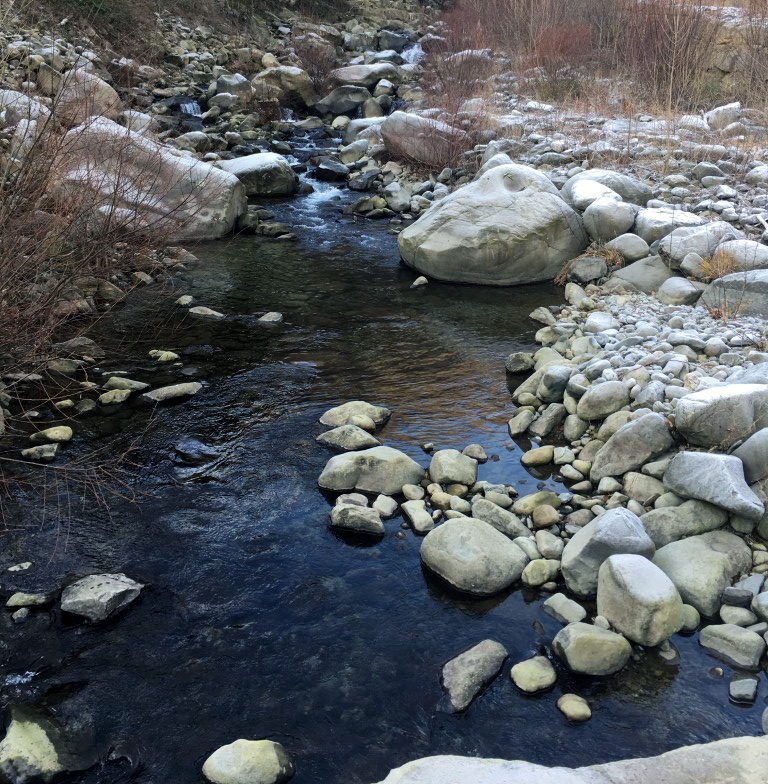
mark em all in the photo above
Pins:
pixel 258 620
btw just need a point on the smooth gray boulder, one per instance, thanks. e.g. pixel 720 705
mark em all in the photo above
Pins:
pixel 632 446
pixel 415 511
pixel 140 182
pixel 646 275
pixel 502 520
pixel 614 532
pixel 679 291
pixel 654 223
pixel 472 556
pixel 466 675
pixel 638 599
pixel 735 760
pixel 591 650
pixel 691 518
pixel 508 227
pixel 381 469
pixel 734 645
pixel 717 479
pixel 701 567
pixel 249 762
pixel 364 75
pixel 629 188
pixel 348 438
pixel 263 174
pixel 98 596
pixel 602 399
pixel 449 466
pixel 82 95
pixel 605 218
pixel 721 415
pixel 353 517
pixel 346 412
pixel 286 84
pixel 630 247
pixel 702 240
pixel 346 99
pixel 753 454
pixel 742 293
pixel 422 139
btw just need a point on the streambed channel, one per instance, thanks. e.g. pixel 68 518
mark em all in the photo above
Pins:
pixel 258 620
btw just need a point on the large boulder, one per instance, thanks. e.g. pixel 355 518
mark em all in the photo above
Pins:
pixel 671 523
pixel 346 99
pixel 638 599
pixel 646 275
pixel 467 674
pixel 82 94
pixel 591 650
pixel 735 760
pixel 472 556
pixel 381 469
pixel 18 106
pixel 701 567
pixel 615 532
pixel 753 454
pixel 717 479
pixel 632 446
pixel 263 174
pixel 422 139
pixel 653 224
pixel 720 416
pixel 364 75
pixel 745 254
pixel 602 399
pixel 286 84
pixel 703 240
pixel 507 227
pixel 743 293
pixel 629 188
pixel 150 186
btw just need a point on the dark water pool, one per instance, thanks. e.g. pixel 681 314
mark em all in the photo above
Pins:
pixel 258 620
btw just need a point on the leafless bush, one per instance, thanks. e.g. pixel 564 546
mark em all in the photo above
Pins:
pixel 318 58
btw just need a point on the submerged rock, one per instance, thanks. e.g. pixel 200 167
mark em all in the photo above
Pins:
pixel 466 675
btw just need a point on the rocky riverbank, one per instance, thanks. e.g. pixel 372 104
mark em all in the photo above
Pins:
pixel 650 410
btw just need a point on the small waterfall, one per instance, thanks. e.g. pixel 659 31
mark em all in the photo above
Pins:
pixel 412 54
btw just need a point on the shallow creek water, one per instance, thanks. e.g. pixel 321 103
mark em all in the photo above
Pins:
pixel 258 620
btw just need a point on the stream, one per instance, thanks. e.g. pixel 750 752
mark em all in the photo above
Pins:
pixel 258 620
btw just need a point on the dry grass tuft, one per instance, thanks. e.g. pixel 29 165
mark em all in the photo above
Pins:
pixel 716 266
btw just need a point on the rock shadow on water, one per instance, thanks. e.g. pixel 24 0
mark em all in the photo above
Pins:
pixel 445 594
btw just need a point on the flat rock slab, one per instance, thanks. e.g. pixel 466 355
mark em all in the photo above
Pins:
pixel 472 556
pixel 348 438
pixel 98 596
pixel 733 645
pixel 722 415
pixel 735 760
pixel 381 469
pixel 717 479
pixel 466 675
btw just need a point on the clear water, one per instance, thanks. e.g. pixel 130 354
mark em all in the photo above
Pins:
pixel 258 620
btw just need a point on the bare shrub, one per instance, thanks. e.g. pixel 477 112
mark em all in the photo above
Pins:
pixel 318 58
